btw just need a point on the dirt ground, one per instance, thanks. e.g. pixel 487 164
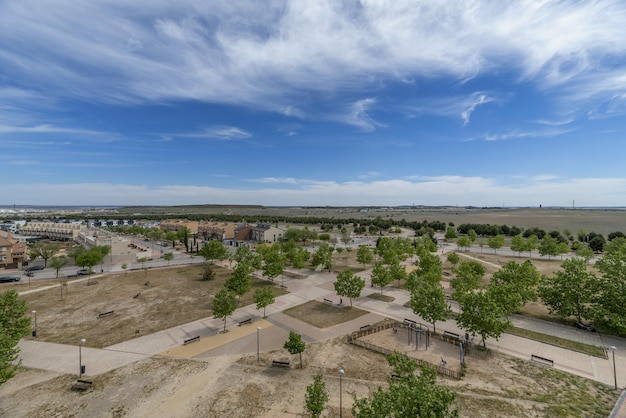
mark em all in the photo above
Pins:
pixel 494 385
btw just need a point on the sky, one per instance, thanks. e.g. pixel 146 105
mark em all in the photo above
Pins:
pixel 313 103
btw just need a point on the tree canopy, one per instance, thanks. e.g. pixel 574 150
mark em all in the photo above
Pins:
pixel 14 324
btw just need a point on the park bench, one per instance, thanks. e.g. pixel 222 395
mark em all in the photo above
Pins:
pixel 82 384
pixel 277 363
pixel 328 301
pixel 542 360
pixel 136 296
pixel 366 327
pixel 103 314
pixel 191 340
pixel 451 335
pixel 245 321
pixel 395 376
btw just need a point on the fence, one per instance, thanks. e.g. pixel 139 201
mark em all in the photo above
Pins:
pixel 354 339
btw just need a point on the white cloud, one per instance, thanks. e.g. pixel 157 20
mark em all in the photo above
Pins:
pixel 542 133
pixel 455 106
pixel 479 99
pixel 443 190
pixel 357 115
pixel 272 55
pixel 216 132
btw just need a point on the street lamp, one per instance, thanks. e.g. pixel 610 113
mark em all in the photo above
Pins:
pixel 258 329
pixel 80 357
pixel 614 349
pixel 341 372
pixel 35 323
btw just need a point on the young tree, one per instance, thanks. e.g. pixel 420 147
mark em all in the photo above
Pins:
pixel 295 345
pixel 570 291
pixel 464 242
pixel 364 255
pixel 453 258
pixel 316 396
pixel 482 314
pixel 208 273
pixel 75 251
pixel 263 297
pixel 239 282
pixel 409 395
pixel 428 300
pixel 518 244
pixel 300 256
pixel 57 263
pixel 274 263
pixel 224 304
pixel 496 242
pixel 517 284
pixel 611 298
pixel 45 251
pixel 103 250
pixel 468 276
pixel 323 256
pixel 168 257
pixel 381 276
pixel 183 235
pixel 349 285
pixel 549 246
pixel 450 233
pixel 214 250
pixel 14 324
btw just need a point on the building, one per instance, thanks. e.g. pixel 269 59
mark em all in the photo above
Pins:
pixel 53 230
pixel 177 224
pixel 12 251
pixel 266 233
pixel 216 230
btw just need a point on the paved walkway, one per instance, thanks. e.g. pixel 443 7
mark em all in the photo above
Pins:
pixel 274 331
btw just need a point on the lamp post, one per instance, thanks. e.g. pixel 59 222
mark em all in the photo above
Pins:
pixel 80 357
pixel 614 349
pixel 35 323
pixel 258 359
pixel 341 372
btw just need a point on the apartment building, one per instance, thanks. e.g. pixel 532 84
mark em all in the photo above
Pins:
pixel 53 230
pixel 12 251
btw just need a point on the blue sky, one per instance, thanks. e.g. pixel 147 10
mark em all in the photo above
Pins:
pixel 313 102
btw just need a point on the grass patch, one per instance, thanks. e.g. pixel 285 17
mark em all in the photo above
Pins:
pixel 378 296
pixel 592 350
pixel 323 315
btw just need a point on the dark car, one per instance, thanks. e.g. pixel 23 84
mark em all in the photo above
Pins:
pixel 5 279
pixel 33 268
pixel 586 327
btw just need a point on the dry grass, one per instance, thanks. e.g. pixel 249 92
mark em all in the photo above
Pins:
pixel 174 296
pixel 323 315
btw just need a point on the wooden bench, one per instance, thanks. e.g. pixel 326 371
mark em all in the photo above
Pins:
pixel 395 376
pixel 451 335
pixel 277 363
pixel 366 327
pixel 103 314
pixel 82 384
pixel 191 340
pixel 542 360
pixel 245 322
pixel 328 301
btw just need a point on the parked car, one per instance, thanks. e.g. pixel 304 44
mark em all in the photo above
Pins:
pixel 33 268
pixel 83 272
pixel 5 279
pixel 586 327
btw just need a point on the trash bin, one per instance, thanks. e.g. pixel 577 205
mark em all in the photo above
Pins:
pixel 34 333
pixel 82 369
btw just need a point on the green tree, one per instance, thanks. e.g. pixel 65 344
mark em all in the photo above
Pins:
pixel 183 235
pixel 263 297
pixel 450 233
pixel 89 258
pixel 224 304
pixel 464 242
pixel 496 242
pixel 482 314
pixel 585 252
pixel 168 257
pixel 57 263
pixel 453 258
pixel 239 282
pixel 364 255
pixel 300 257
pixel 104 250
pixel 518 244
pixel 517 285
pixel 428 300
pixel 472 235
pixel 468 276
pixel 295 345
pixel 570 291
pixel 214 250
pixel 562 249
pixel 316 396
pixel 75 251
pixel 43 251
pixel 549 246
pixel 410 395
pixel 611 298
pixel 381 276
pixel 14 324
pixel 532 242
pixel 349 285
pixel 323 257
pixel 273 262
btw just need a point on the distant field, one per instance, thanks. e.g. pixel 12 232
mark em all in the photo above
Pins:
pixel 598 220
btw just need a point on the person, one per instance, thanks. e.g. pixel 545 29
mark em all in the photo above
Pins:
pixel 395 330
pixel 341 301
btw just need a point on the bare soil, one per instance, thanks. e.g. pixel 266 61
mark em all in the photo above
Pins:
pixel 324 315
